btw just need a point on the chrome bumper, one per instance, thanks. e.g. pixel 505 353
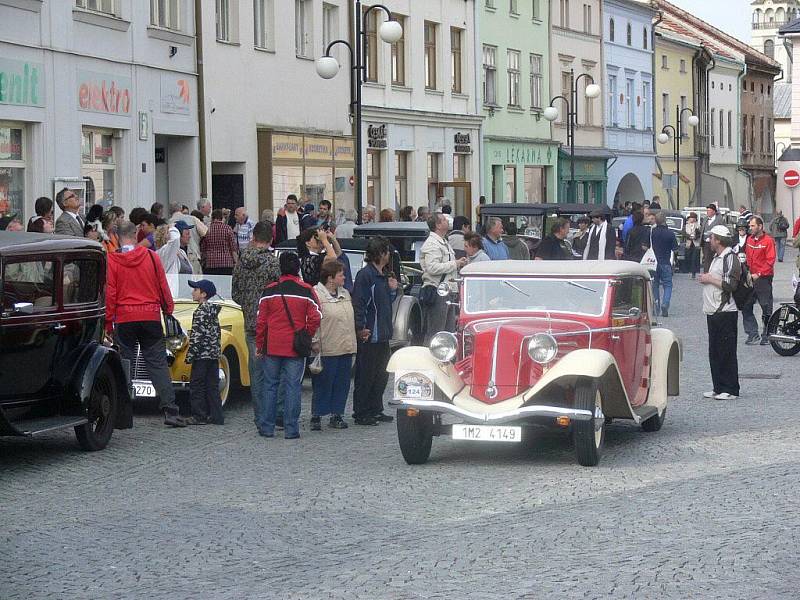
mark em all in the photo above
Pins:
pixel 503 417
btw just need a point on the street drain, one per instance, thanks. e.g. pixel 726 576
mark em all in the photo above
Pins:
pixel 759 375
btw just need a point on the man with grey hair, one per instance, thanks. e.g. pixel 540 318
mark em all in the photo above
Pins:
pixel 439 265
pixel 493 243
pixel 204 207
pixel 199 230
pixel 345 230
pixel 368 214
pixel 722 316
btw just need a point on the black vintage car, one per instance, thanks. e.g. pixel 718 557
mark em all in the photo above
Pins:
pixel 54 371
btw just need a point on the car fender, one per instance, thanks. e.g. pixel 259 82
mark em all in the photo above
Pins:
pixel 419 358
pixel 80 386
pixel 228 341
pixel 403 311
pixel 665 373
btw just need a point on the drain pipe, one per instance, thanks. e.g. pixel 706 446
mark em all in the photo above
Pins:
pixel 747 174
pixel 659 18
pixel 201 95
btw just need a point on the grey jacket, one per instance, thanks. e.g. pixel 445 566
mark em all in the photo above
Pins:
pixel 68 225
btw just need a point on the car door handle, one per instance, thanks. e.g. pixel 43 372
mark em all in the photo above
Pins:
pixel 615 337
pixel 58 327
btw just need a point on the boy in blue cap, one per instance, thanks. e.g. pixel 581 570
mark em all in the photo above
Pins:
pixel 203 355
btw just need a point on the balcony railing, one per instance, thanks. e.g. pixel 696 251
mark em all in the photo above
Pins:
pixel 770 24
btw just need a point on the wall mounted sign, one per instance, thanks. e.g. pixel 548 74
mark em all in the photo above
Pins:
pixel 376 137
pixel 343 150
pixel 463 143
pixel 144 126
pixel 21 82
pixel 176 95
pixel 104 93
pixel 317 148
pixel 287 147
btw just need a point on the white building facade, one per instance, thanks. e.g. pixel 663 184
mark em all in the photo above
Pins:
pixel 628 41
pixel 421 120
pixel 100 97
pixel 273 126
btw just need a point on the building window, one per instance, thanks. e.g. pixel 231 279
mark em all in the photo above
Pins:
pixel 490 75
pixel 630 108
pixel 534 184
pixel 511 183
pixel 664 64
pixel 263 20
pixel 456 61
pixel 648 118
pixel 536 80
pixel 588 109
pixel 752 133
pixel 12 169
pixel 664 110
pixel 399 55
pixel 730 129
pixel 165 13
pixel 224 20
pixel 613 102
pixel 769 90
pixel 564 13
pixel 460 167
pixel 629 35
pixel 374 178
pixel 761 133
pixel 98 165
pixel 645 38
pixel 401 179
pixel 722 129
pixel 513 7
pixel 611 30
pixel 430 55
pixel 566 91
pixel 744 86
pixel 102 6
pixel 513 78
pixel 490 4
pixel 769 48
pixel 683 129
pixel 744 133
pixel 713 129
pixel 537 10
pixel 330 24
pixel 434 170
pixel 303 29
pixel 587 18
pixel 770 143
pixel 683 66
pixel 762 88
pixel 371 51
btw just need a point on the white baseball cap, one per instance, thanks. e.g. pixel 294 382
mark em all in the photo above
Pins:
pixel 721 231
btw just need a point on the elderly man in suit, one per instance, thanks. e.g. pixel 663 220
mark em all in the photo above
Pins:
pixel 70 222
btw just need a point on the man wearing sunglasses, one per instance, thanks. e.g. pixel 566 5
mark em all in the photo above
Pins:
pixel 69 222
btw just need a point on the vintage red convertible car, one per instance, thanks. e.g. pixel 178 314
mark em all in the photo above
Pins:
pixel 570 344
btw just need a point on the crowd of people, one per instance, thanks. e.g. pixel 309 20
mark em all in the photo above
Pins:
pixel 305 307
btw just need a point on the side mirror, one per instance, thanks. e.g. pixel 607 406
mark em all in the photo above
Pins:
pixel 23 308
pixel 634 312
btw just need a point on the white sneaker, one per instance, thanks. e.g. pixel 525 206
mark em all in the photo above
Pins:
pixel 725 396
pixel 709 394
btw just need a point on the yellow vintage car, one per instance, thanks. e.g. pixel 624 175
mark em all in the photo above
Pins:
pixel 233 361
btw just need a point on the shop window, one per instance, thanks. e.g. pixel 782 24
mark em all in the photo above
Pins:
pixel 30 281
pixel 98 166
pixel 374 178
pixel 263 21
pixel 434 169
pixel 430 55
pixel 460 167
pixel 401 179
pixel 165 13
pixel 534 184
pixel 456 61
pixel 399 54
pixel 12 169
pixel 511 183
pixel 102 6
pixel 81 279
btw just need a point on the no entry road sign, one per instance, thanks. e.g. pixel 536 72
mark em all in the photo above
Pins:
pixel 791 178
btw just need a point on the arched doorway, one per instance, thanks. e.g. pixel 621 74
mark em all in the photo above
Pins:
pixel 629 190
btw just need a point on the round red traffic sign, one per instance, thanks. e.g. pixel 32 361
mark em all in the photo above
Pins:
pixel 791 178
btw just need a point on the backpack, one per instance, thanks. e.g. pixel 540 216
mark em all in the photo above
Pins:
pixel 743 291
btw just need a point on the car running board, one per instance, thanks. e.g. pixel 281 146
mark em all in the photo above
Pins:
pixel 34 427
pixel 645 412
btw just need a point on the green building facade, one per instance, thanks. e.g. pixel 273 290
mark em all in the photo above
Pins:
pixel 520 156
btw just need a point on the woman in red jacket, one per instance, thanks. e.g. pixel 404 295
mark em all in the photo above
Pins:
pixel 287 306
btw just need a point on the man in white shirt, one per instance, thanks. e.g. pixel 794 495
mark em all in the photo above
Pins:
pixel 722 315
pixel 243 229
pixel 287 225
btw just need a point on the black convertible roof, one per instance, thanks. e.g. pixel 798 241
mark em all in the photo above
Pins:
pixel 16 242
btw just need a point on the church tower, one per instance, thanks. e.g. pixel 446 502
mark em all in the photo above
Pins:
pixel 767 18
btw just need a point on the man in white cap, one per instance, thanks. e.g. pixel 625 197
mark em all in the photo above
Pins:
pixel 722 316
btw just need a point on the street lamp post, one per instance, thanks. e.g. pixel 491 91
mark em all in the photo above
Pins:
pixel 551 114
pixel 677 140
pixel 327 68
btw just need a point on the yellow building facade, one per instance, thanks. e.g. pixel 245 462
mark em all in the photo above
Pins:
pixel 674 88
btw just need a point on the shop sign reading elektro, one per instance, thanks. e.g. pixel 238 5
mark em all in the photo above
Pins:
pixel 104 93
pixel 376 137
pixel 21 82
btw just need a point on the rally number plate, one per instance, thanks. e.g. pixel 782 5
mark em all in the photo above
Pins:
pixel 487 433
pixel 144 389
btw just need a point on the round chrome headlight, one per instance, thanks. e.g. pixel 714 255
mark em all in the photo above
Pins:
pixel 542 348
pixel 443 346
pixel 176 344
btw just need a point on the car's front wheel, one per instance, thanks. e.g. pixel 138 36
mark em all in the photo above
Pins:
pixel 588 436
pixel 224 377
pixel 101 412
pixel 415 435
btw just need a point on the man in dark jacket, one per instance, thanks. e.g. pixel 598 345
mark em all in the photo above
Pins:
pixel 289 224
pixel 136 293
pixel 555 246
pixel 602 242
pixel 373 295
pixel 664 244
pixel 256 269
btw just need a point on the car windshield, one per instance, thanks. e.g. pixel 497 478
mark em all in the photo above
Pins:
pixel 179 286
pixel 518 294
pixel 356 260
pixel 675 223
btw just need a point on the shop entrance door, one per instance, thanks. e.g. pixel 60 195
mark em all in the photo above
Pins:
pixel 227 191
pixel 459 194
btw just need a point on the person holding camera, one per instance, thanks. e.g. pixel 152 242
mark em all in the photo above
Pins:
pixel 314 247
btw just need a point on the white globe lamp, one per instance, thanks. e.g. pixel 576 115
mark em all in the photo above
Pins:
pixel 391 31
pixel 694 121
pixel 663 138
pixel 327 67
pixel 592 90
pixel 551 113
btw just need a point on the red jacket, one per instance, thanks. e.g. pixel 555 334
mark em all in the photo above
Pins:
pixel 134 289
pixel 796 229
pixel 760 255
pixel 273 330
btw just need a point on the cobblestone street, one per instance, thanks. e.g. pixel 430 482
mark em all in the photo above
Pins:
pixel 705 508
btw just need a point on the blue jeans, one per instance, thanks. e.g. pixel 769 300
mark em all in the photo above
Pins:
pixel 332 386
pixel 662 278
pixel 780 247
pixel 257 384
pixel 288 374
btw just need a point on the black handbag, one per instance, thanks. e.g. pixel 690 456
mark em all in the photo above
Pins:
pixel 172 327
pixel 301 342
pixel 429 293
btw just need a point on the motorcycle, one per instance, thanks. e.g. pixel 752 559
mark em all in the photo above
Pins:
pixel 783 329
